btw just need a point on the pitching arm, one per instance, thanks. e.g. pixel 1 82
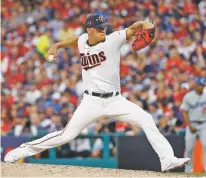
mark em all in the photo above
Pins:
pixel 62 44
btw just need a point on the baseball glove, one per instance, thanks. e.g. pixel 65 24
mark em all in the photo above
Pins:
pixel 143 38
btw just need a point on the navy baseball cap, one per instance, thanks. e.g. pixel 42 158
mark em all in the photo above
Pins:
pixel 200 81
pixel 95 21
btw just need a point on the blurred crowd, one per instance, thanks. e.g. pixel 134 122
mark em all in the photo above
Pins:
pixel 38 96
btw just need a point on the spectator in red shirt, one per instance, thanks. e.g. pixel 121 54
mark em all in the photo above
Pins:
pixel 189 7
pixel 174 59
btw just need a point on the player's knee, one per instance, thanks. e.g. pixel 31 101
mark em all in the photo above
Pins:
pixel 67 137
pixel 148 120
pixel 148 117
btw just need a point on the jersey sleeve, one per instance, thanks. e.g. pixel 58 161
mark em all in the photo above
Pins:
pixel 185 104
pixel 81 40
pixel 82 37
pixel 119 38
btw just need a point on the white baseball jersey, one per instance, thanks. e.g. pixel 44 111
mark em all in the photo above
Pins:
pixel 100 63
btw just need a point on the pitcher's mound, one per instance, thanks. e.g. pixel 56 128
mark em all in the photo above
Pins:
pixel 46 170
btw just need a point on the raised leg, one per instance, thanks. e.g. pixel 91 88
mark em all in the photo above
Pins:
pixel 86 113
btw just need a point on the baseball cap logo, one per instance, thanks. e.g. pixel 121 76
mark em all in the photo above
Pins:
pixel 89 23
pixel 101 19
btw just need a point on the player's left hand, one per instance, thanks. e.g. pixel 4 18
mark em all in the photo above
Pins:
pixel 144 38
pixel 192 129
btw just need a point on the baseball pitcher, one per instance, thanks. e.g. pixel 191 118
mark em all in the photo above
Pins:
pixel 194 112
pixel 100 59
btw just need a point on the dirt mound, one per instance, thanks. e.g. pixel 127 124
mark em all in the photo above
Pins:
pixel 45 170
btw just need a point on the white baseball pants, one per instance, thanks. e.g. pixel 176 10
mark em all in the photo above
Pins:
pixel 92 108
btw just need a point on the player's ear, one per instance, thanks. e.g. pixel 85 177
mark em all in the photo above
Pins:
pixel 88 30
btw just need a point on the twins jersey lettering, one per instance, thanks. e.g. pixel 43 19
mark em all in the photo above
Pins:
pixel 89 61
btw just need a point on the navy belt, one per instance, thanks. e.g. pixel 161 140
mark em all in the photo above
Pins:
pixel 102 95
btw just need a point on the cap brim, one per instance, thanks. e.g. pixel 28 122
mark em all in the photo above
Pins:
pixel 103 25
pixel 201 84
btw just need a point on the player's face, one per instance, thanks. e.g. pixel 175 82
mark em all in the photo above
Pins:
pixel 199 88
pixel 99 33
